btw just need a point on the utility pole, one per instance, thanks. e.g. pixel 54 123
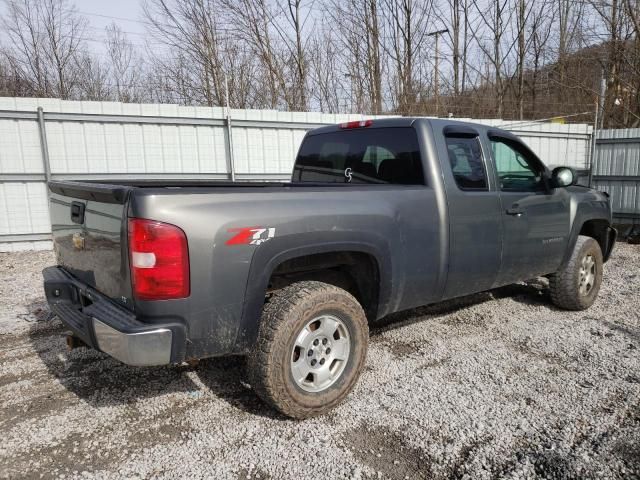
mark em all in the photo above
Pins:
pixel 436 88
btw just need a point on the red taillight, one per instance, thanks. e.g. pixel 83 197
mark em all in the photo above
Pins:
pixel 357 124
pixel 159 259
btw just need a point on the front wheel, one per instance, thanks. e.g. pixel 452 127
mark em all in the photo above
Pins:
pixel 576 285
pixel 312 346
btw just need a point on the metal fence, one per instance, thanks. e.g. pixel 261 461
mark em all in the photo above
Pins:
pixel 616 170
pixel 42 139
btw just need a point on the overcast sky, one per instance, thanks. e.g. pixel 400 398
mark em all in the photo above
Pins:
pixel 101 13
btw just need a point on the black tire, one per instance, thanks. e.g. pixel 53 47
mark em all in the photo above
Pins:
pixel 283 318
pixel 565 283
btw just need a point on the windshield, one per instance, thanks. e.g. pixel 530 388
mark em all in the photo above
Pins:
pixel 377 155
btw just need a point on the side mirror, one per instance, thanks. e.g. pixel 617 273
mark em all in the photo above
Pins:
pixel 563 177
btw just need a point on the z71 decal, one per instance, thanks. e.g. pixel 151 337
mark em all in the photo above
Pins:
pixel 251 235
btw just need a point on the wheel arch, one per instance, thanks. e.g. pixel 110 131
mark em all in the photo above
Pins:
pixel 596 227
pixel 267 261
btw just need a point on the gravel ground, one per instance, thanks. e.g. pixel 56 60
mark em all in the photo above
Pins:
pixel 499 384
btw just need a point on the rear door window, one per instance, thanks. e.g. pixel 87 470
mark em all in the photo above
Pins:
pixel 376 155
pixel 467 164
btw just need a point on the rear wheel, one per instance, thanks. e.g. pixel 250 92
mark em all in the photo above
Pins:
pixel 312 345
pixel 576 285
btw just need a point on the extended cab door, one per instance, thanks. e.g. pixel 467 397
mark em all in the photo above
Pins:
pixel 535 218
pixel 474 210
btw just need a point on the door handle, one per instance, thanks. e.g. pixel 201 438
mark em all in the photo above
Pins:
pixel 515 211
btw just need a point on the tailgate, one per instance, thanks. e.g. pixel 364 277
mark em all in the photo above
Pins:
pixel 88 224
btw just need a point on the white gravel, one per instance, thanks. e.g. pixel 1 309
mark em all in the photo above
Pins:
pixel 497 385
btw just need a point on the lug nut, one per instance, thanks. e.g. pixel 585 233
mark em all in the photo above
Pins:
pixel 324 341
pixel 313 362
pixel 328 351
pixel 310 353
pixel 315 342
pixel 322 361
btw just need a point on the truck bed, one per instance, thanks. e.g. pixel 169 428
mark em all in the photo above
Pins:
pixel 362 218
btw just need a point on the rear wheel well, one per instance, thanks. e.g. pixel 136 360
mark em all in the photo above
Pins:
pixel 596 229
pixel 355 272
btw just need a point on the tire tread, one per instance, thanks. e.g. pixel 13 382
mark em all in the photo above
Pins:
pixel 264 369
pixel 563 285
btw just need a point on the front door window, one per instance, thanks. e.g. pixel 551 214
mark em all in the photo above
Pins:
pixel 518 171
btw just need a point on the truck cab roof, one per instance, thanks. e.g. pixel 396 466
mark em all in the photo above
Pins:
pixel 395 122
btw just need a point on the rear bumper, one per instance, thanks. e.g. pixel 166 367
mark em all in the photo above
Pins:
pixel 106 326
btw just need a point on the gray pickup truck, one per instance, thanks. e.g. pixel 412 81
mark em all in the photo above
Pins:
pixel 380 216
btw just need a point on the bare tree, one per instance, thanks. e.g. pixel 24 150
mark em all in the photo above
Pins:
pixel 278 35
pixel 25 52
pixel 540 33
pixel 524 11
pixel 455 15
pixel 407 23
pixel 93 79
pixel 126 66
pixel 497 47
pixel 506 58
pixel 611 15
pixel 291 33
pixel 63 34
pixel 454 31
pixel 374 62
pixel 299 56
pixel 465 45
pixel 251 21
pixel 359 35
pixel 45 40
pixel 190 33
pixel 569 15
pixel 244 80
pixel 11 83
pixel 326 84
pixel 632 58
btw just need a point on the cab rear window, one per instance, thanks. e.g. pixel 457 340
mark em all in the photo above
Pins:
pixel 376 155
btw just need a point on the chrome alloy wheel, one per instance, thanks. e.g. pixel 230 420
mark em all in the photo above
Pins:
pixel 587 275
pixel 320 353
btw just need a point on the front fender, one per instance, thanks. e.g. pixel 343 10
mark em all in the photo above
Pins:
pixel 586 208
